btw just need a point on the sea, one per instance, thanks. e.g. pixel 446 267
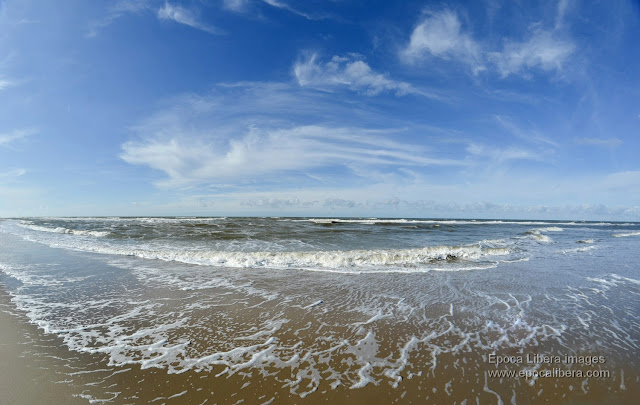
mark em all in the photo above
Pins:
pixel 309 310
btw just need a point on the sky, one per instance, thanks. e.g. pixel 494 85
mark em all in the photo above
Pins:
pixel 478 109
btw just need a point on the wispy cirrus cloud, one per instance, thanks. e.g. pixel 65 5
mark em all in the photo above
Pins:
pixel 118 10
pixel 182 15
pixel 610 142
pixel 526 134
pixel 286 6
pixel 260 132
pixel 130 6
pixel 542 50
pixel 349 71
pixel 254 7
pixel 501 155
pixel 164 11
pixel 236 5
pixel 260 154
pixel 13 173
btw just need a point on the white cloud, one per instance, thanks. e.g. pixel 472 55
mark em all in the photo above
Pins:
pixel 184 16
pixel 13 173
pixel 484 199
pixel 168 11
pixel 119 9
pixel 346 71
pixel 130 6
pixel 247 132
pixel 543 50
pixel 5 83
pixel 262 153
pixel 245 6
pixel 440 34
pixel 284 6
pixel 501 155
pixel 528 135
pixel 8 137
pixel 236 5
pixel 563 6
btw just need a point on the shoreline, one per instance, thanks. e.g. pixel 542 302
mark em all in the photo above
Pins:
pixel 32 365
pixel 25 377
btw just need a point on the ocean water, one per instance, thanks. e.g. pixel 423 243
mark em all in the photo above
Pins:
pixel 273 308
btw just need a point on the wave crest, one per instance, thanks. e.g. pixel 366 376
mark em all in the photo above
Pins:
pixel 60 229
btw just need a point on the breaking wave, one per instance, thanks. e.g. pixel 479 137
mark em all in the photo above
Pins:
pixel 624 235
pixel 537 236
pixel 63 230
pixel 344 261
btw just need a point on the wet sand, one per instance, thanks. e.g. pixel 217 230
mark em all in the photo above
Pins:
pixel 27 376
pixel 38 368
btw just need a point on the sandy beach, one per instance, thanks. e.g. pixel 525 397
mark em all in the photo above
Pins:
pixel 27 369
pixel 86 327
pixel 40 369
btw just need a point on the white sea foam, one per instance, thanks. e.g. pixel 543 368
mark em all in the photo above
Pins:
pixel 626 234
pixel 627 279
pixel 551 229
pixel 522 259
pixel 613 280
pixel 344 260
pixel 305 365
pixel 579 250
pixel 63 230
pixel 540 237
pixel 30 278
pixel 136 219
pixel 364 377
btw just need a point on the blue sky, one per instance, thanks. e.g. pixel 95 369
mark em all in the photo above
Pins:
pixel 486 109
